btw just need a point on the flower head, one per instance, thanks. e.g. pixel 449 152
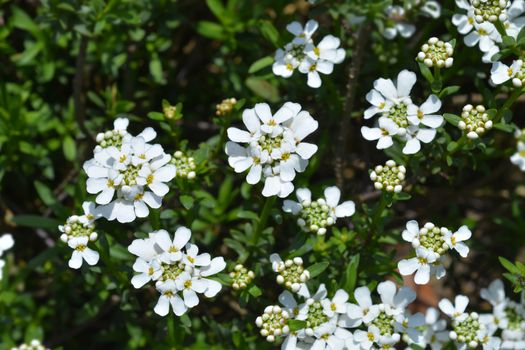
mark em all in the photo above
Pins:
pixel 273 322
pixel 389 177
pixel 436 53
pixel 475 121
pixel 177 269
pixel 290 273
pixel 225 107
pixel 241 277
pixel 185 165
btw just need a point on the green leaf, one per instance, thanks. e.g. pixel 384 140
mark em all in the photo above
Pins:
pixel 452 118
pixel 263 89
pixel 508 265
pixel 508 41
pixel 69 148
pixel 316 269
pixel 37 222
pixel 255 291
pixel 155 68
pixel 211 30
pixel 260 64
pixel 350 275
pixel 45 193
pixel 505 127
pixel 186 201
pixel 218 9
pixel 296 325
pixel 425 71
pixel 449 90
pixel 270 32
pixel 156 116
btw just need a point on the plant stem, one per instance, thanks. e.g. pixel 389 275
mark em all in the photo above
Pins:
pixel 508 103
pixel 261 224
pixel 222 136
pixel 376 217
pixel 351 88
pixel 171 328
pixel 501 28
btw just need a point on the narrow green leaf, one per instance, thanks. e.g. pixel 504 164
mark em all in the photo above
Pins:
pixel 316 269
pixel 255 291
pixel 260 64
pixel 45 193
pixel 69 148
pixel 186 201
pixel 296 325
pixel 425 71
pixel 350 276
pixel 452 118
pixel 211 30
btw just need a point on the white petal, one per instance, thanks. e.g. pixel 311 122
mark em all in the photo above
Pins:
pixel 461 303
pixel 345 209
pixel 405 81
pixel 314 80
pixel 362 295
pixel 412 146
pixel 152 200
pixel 90 256
pixel 263 112
pixel 254 176
pixel 306 150
pixel 238 135
pixel 272 186
pixel 76 260
pixel 384 142
pixel 182 236
pixel 426 135
pixel 423 274
pixel 190 298
pixel 332 196
pixel 371 134
pixel 163 306
pixel 463 233
pixel 408 266
pixel 141 209
pixel 138 281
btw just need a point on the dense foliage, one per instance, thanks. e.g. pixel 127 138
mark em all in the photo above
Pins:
pixel 331 210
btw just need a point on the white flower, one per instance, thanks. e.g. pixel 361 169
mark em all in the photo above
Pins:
pixel 326 339
pixel 302 53
pixel 464 22
pixel 414 136
pixel 318 215
pixel 335 305
pixel 6 242
pixel 411 325
pixel 396 23
pixel 301 32
pixel 172 249
pixel 455 240
pixel 367 338
pixel 431 8
pixel 484 34
pixel 176 267
pixel 456 311
pixel 127 168
pixel 384 133
pixel 426 113
pixel 420 264
pixel 149 271
pixel 81 252
pixel 169 297
pixel 501 73
pixel 364 311
pixel 190 286
pixel 518 158
pixel 275 150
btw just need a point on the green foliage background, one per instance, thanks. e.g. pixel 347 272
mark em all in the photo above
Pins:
pixel 69 67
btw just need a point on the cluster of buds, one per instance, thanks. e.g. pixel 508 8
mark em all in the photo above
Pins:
pixel 518 79
pixel 291 272
pixel 389 177
pixel 33 345
pixel 241 277
pixel 475 121
pixel 467 330
pixel 225 107
pixel 110 138
pixel 273 322
pixel 436 53
pixel 315 216
pixel 77 226
pixel 185 165
pixel 432 238
pixel 490 10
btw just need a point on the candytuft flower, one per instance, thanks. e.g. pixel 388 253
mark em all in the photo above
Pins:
pixel 436 53
pixel 6 243
pixel 241 277
pixel 176 268
pixel 316 216
pixel 475 121
pixel 274 150
pixel 389 177
pixel 290 273
pixel 309 58
pixel 129 175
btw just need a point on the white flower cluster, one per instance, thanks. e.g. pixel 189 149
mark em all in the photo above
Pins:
pixel 241 277
pixel 33 345
pixel 467 329
pixel 316 216
pixel 327 322
pixel 400 118
pixel 302 54
pixel 478 27
pixel 501 73
pixel 290 273
pixel 177 268
pixel 128 174
pixel 321 316
pixel 431 243
pixel 77 232
pixel 389 177
pixel 383 325
pixel 518 158
pixel 434 331
pixel 397 17
pixel 184 164
pixel 507 317
pixel 6 242
pixel 274 149
pixel 475 121
pixel 436 53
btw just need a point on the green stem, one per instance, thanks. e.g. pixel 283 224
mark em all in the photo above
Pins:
pixel 501 28
pixel 171 328
pixel 437 84
pixel 376 218
pixel 261 224
pixel 508 103
pixel 222 136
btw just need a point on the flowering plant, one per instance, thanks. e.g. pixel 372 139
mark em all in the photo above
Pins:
pixel 170 180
